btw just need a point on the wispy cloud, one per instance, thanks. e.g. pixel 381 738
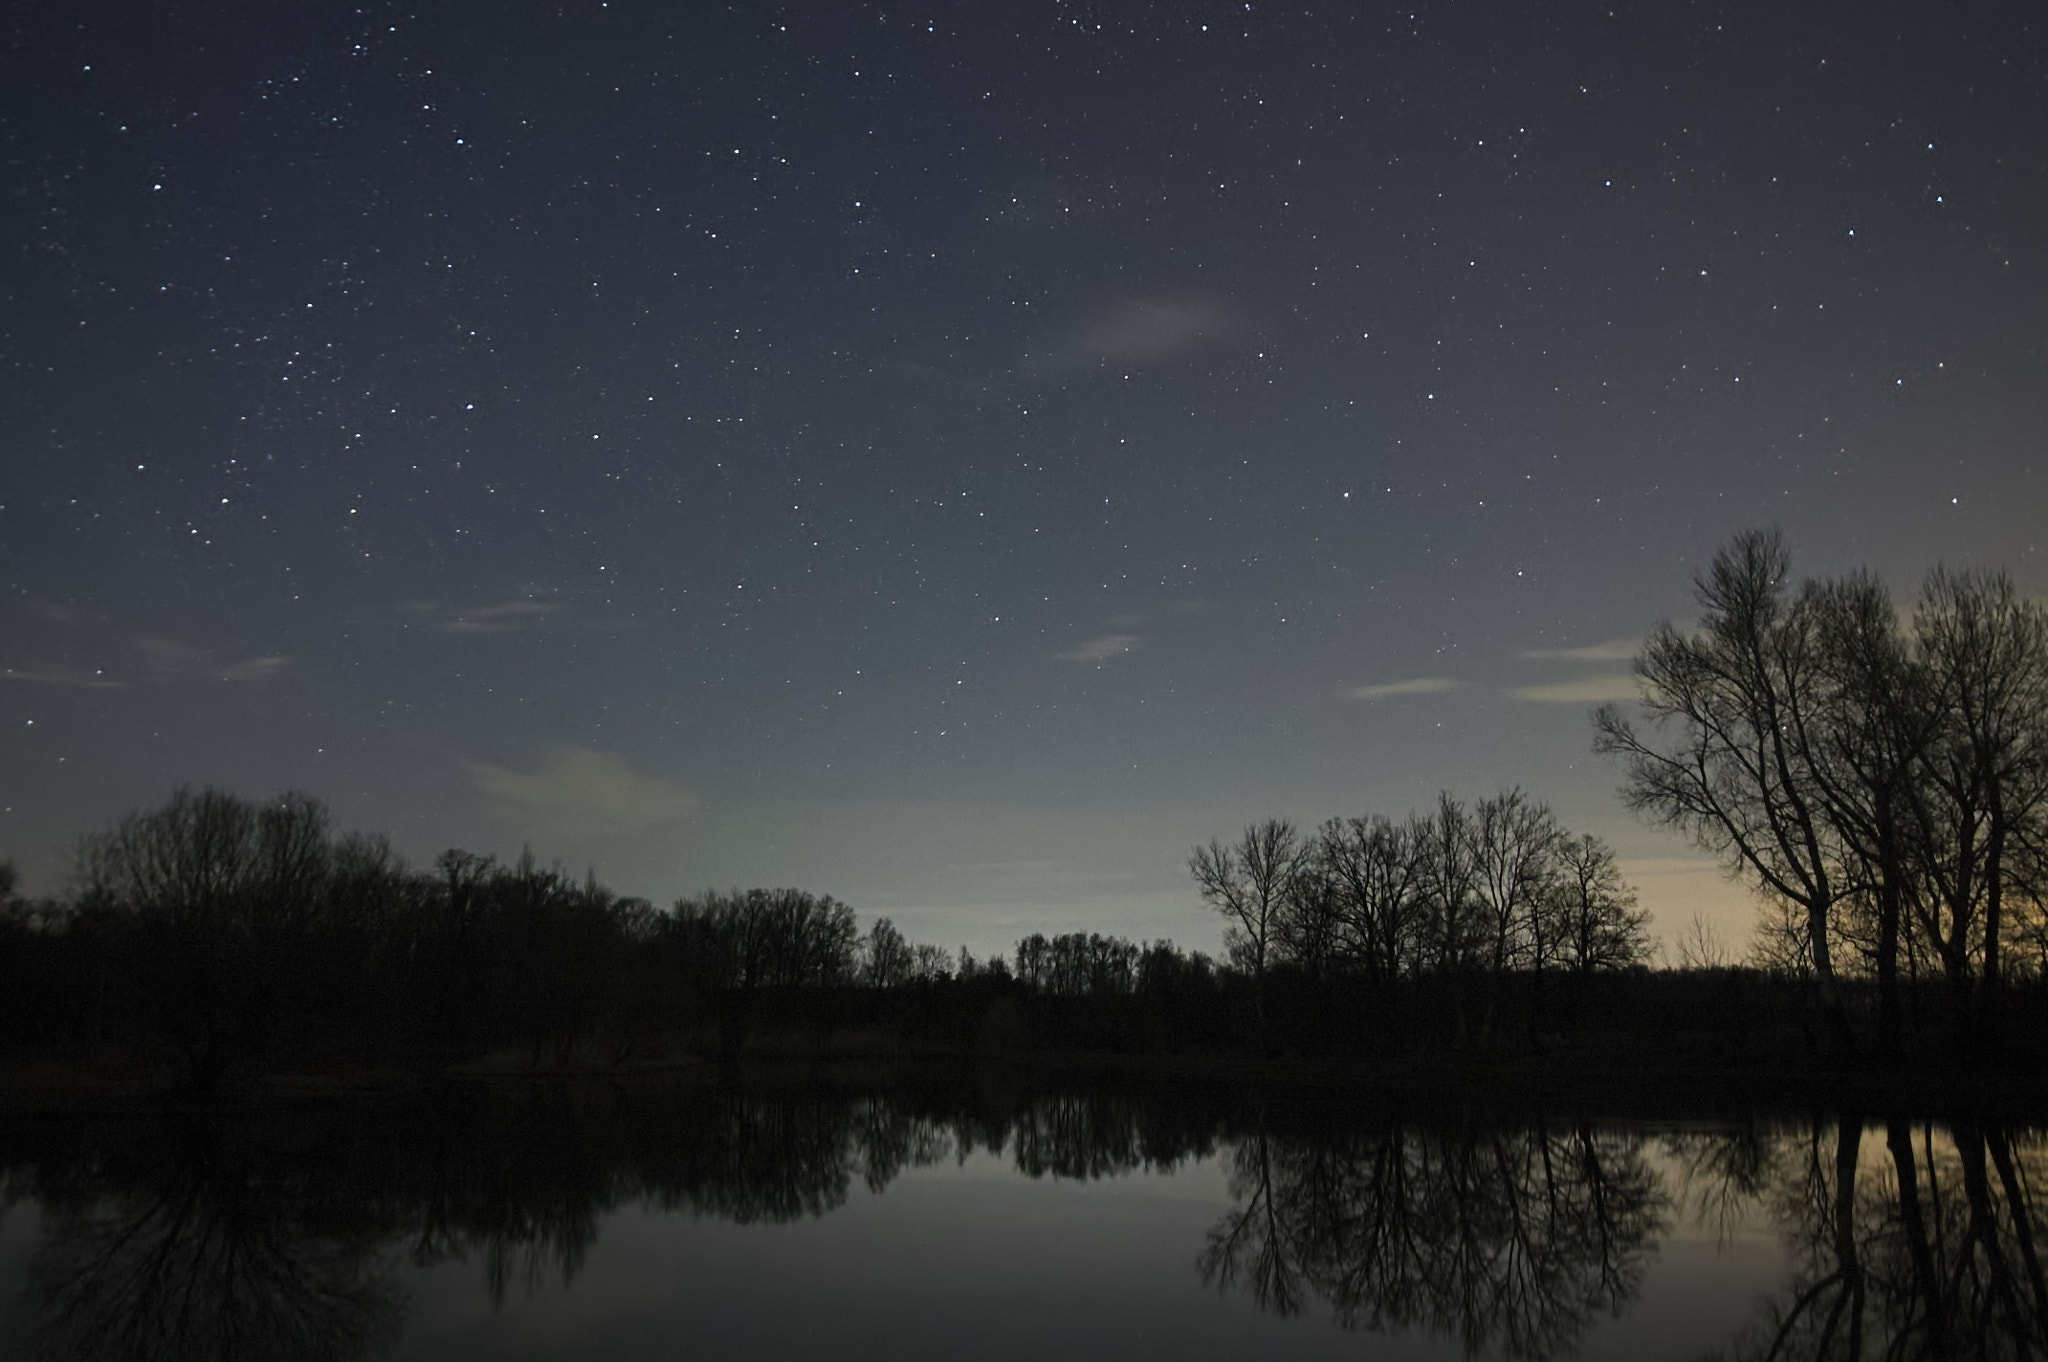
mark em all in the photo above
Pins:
pixel 1142 330
pixel 256 668
pixel 60 675
pixel 53 613
pixel 1421 685
pixel 1613 650
pixel 1102 648
pixel 1590 690
pixel 505 617
pixel 579 792
pixel 167 659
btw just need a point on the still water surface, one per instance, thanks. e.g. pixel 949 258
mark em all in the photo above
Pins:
pixel 741 1222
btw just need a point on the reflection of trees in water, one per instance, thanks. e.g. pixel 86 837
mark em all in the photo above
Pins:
pixel 279 1236
pixel 276 1237
pixel 1914 1240
pixel 525 1198
pixel 528 1194
pixel 1511 1240
pixel 205 1261
pixel 751 1160
pixel 1922 1242
pixel 528 1189
pixel 1098 1135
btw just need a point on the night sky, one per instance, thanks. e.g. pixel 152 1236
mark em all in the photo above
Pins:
pixel 957 457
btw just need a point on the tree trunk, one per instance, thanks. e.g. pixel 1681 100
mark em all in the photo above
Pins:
pixel 1888 1038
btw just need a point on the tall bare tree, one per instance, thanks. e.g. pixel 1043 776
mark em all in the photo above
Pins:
pixel 1984 791
pixel 1248 884
pixel 1310 934
pixel 1447 881
pixel 1513 839
pixel 1868 731
pixel 1373 863
pixel 229 891
pixel 1727 756
pixel 1590 913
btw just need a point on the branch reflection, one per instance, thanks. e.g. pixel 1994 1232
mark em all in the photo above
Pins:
pixel 1908 1239
pixel 206 1256
pixel 282 1236
pixel 288 1234
pixel 1513 1241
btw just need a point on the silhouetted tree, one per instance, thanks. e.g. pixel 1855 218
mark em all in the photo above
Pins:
pixel 1310 932
pixel 1248 884
pixel 1983 793
pixel 1375 867
pixel 886 958
pixel 930 964
pixel 1871 728
pixel 1452 932
pixel 1591 911
pixel 1887 787
pixel 1513 838
pixel 1736 698
pixel 234 899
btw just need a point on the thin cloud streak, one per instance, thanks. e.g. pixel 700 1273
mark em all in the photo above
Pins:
pixel 1102 648
pixel 256 668
pixel 61 676
pixel 505 617
pixel 1591 690
pixel 580 792
pixel 1421 685
pixel 1613 650
pixel 167 659
pixel 1136 331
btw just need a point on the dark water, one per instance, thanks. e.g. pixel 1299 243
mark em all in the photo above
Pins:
pixel 993 1219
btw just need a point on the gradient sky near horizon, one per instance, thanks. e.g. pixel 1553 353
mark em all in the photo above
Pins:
pixel 957 457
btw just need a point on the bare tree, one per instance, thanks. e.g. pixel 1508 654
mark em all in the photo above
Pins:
pixel 1311 928
pixel 1248 883
pixel 1513 839
pixel 1447 882
pixel 930 964
pixel 1590 912
pixel 886 958
pixel 1735 699
pixel 1373 863
pixel 1700 946
pixel 1984 788
pixel 1870 730
pixel 229 891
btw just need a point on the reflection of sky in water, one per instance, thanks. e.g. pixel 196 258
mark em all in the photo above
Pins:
pixel 20 1232
pixel 975 1258
pixel 301 1236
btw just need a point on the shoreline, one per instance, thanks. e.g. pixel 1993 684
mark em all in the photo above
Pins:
pixel 40 1090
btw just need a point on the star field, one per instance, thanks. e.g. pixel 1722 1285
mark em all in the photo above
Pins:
pixel 956 458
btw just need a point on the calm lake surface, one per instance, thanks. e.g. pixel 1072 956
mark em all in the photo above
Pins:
pixel 1016 1219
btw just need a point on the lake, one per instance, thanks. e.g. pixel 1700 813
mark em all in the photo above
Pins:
pixel 1016 1216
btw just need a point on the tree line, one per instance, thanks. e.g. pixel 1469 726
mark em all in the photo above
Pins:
pixel 218 936
pixel 236 935
pixel 1464 891
pixel 1879 779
